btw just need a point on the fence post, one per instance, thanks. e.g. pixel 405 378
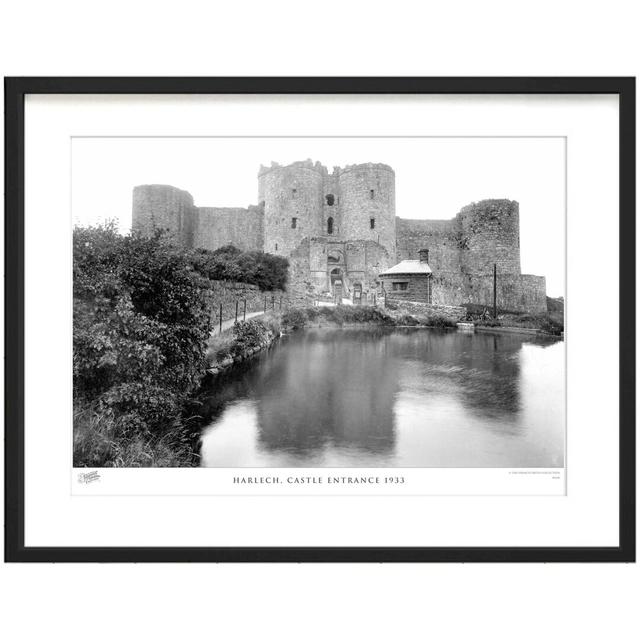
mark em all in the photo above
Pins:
pixel 236 311
pixel 244 310
pixel 265 304
pixel 273 302
pixel 280 306
pixel 221 317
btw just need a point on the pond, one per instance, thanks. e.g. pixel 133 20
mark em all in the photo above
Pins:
pixel 390 397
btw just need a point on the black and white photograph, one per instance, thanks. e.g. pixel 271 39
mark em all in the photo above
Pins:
pixel 320 320
pixel 319 302
pixel 367 319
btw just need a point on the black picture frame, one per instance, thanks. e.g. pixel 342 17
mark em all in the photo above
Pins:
pixel 15 91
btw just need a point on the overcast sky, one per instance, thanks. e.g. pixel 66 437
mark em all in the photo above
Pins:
pixel 435 178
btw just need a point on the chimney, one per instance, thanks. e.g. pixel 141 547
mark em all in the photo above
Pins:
pixel 424 255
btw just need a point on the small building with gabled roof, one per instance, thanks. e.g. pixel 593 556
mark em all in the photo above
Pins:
pixel 409 280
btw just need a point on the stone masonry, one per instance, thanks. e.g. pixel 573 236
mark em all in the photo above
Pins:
pixel 339 231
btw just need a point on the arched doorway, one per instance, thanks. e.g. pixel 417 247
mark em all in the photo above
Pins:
pixel 337 284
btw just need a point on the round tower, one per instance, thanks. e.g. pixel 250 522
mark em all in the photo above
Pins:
pixel 162 207
pixel 368 204
pixel 293 204
pixel 490 234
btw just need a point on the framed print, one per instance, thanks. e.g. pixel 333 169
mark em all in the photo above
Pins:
pixel 320 319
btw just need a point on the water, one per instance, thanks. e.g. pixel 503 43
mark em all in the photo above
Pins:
pixel 389 397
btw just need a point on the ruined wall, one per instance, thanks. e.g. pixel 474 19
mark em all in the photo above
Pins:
pixel 365 260
pixel 300 282
pixel 162 207
pixel 218 226
pixel 367 191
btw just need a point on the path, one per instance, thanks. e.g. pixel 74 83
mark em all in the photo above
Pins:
pixel 227 324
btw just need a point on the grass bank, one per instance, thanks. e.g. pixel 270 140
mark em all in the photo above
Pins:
pixel 551 323
pixel 101 440
pixel 247 338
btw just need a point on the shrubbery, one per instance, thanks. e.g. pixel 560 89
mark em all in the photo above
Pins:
pixel 440 322
pixel 242 337
pixel 264 270
pixel 297 318
pixel 141 325
pixel 249 335
pixel 141 321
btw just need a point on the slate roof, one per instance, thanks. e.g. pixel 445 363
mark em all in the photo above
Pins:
pixel 408 267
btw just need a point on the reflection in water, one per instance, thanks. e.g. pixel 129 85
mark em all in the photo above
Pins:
pixel 380 397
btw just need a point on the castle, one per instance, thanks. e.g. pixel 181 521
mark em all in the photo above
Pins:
pixel 339 231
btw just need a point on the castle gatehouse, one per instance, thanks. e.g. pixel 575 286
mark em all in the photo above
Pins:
pixel 340 232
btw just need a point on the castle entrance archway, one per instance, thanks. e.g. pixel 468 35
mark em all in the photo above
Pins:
pixel 337 284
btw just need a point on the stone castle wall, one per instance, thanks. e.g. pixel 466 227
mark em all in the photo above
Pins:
pixel 490 233
pixel 462 252
pixel 217 227
pixel 514 292
pixel 367 193
pixel 482 234
pixel 160 207
pixel 441 237
pixel 295 191
pixel 297 202
pixel 165 208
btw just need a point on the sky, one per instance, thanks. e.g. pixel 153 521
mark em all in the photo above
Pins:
pixel 435 178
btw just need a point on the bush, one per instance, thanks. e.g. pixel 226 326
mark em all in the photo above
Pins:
pixel 553 327
pixel 271 322
pixel 440 322
pixel 264 270
pixel 248 335
pixel 220 347
pixel 313 313
pixel 141 325
pixel 407 320
pixel 294 319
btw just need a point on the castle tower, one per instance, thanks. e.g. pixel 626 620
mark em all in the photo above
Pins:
pixel 293 199
pixel 368 204
pixel 162 207
pixel 490 233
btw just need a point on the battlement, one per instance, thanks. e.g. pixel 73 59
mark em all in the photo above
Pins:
pixel 321 169
pixel 299 164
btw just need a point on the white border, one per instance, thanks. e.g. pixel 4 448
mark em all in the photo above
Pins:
pixel 587 516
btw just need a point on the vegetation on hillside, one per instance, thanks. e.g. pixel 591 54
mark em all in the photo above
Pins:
pixel 298 318
pixel 267 271
pixel 142 321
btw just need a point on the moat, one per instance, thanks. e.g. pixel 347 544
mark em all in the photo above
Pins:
pixel 390 397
